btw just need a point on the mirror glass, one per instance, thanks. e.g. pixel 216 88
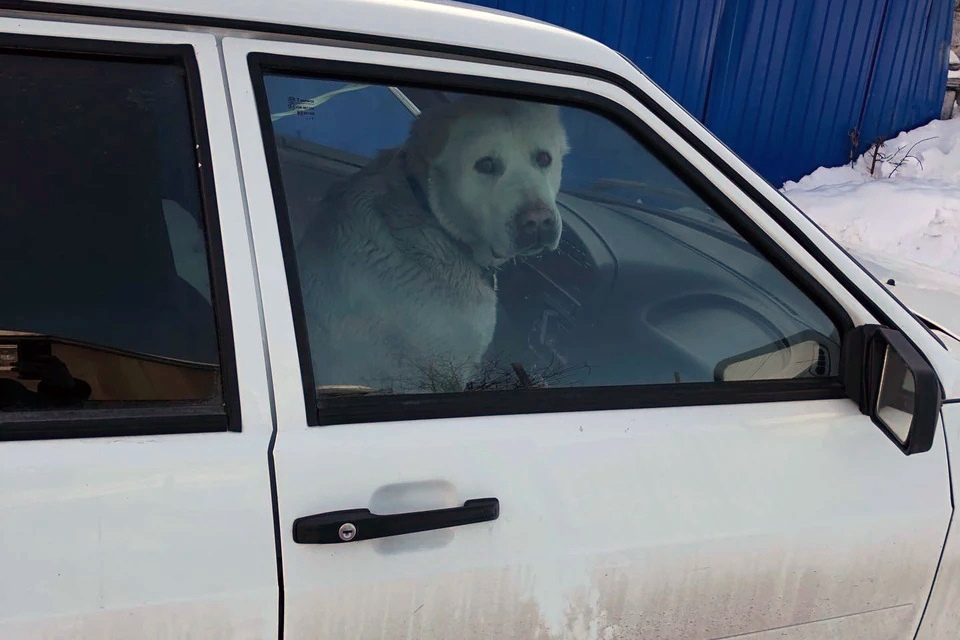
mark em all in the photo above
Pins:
pixel 897 394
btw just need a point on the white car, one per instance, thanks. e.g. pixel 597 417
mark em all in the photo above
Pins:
pixel 712 422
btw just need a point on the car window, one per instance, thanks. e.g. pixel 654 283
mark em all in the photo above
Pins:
pixel 105 298
pixel 314 110
pixel 507 244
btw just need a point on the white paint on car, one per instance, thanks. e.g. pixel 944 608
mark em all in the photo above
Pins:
pixel 784 519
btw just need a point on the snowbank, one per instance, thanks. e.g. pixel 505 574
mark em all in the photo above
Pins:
pixel 910 212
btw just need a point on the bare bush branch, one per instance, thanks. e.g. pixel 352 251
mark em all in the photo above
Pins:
pixel 908 156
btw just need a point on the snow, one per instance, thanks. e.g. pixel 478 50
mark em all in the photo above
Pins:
pixel 910 212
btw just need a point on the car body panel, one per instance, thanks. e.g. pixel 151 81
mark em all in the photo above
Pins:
pixel 423 21
pixel 942 618
pixel 605 528
pixel 931 293
pixel 150 536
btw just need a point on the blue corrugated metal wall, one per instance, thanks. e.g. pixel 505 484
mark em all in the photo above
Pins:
pixel 782 82
pixel 646 31
pixel 907 85
pixel 785 92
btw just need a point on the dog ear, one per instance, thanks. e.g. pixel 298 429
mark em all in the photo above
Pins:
pixel 428 136
pixel 551 112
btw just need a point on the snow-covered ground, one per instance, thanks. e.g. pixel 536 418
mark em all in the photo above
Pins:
pixel 909 212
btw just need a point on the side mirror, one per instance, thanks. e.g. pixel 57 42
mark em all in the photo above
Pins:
pixel 892 383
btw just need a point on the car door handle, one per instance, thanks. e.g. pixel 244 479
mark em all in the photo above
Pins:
pixel 353 525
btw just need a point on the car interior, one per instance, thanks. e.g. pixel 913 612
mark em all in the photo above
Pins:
pixel 648 285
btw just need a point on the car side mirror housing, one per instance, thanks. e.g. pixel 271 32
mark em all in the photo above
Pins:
pixel 893 383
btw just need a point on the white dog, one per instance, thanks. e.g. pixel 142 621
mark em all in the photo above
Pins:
pixel 398 267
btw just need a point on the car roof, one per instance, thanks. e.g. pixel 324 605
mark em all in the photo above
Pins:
pixel 440 22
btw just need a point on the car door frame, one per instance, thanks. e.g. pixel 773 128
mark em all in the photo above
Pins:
pixel 796 239
pixel 116 470
pixel 293 390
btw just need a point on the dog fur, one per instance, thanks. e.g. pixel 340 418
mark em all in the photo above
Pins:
pixel 397 267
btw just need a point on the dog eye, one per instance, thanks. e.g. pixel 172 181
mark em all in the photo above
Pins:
pixel 543 159
pixel 486 165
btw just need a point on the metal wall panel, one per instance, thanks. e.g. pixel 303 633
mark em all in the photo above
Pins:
pixel 907 86
pixel 782 82
pixel 671 40
pixel 789 81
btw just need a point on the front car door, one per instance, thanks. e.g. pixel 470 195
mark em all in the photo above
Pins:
pixel 134 415
pixel 687 465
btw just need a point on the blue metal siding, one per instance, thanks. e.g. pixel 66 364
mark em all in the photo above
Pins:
pixel 672 41
pixel 790 80
pixel 907 86
pixel 782 82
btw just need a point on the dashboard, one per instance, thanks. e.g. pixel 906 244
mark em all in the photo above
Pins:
pixel 639 298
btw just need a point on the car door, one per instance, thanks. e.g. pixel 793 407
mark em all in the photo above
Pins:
pixel 657 443
pixel 134 414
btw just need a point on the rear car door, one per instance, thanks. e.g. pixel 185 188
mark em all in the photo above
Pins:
pixel 134 414
pixel 657 443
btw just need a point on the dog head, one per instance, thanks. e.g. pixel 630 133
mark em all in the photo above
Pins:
pixel 491 169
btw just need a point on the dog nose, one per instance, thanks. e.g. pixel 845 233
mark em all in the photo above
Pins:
pixel 532 221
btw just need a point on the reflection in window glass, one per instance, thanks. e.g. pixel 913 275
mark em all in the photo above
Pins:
pixel 505 244
pixel 106 291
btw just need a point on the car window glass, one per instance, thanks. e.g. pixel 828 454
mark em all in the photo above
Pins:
pixel 506 244
pixel 318 107
pixel 106 293
pixel 313 144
